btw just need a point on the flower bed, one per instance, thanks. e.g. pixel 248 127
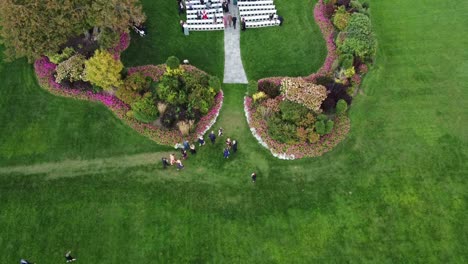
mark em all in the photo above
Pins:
pixel 259 129
pixel 258 125
pixel 45 74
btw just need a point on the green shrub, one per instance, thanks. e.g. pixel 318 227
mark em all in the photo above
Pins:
pixel 320 127
pixel 341 106
pixel 70 69
pixel 341 18
pixel 108 38
pixel 322 117
pixel 137 82
pixel 173 62
pixel 292 112
pixel 201 99
pixel 103 70
pixel 329 126
pixel 171 90
pixel 215 83
pixel 346 60
pixel 282 131
pixel 144 110
pixel 61 56
pixel 360 39
pixel 252 88
pixel 127 96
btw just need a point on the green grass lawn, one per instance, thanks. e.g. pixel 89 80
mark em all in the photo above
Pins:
pixel 165 38
pixel 297 48
pixel 72 176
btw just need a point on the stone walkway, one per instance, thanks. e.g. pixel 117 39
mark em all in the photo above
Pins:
pixel 233 68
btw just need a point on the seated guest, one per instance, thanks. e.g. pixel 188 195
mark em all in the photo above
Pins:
pixel 204 14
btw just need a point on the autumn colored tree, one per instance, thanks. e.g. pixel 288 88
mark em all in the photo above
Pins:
pixel 31 28
pixel 103 70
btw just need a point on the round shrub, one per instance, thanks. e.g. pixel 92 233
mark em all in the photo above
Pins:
pixel 346 60
pixel 173 62
pixel 215 83
pixel 329 126
pixel 360 39
pixel 320 127
pixel 341 18
pixel 70 69
pixel 144 110
pixel 103 70
pixel 341 106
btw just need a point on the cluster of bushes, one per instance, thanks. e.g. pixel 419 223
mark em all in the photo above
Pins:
pixel 179 98
pixel 293 111
pixel 355 41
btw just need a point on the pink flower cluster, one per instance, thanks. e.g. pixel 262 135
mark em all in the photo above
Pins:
pixel 155 72
pixel 45 72
pixel 124 42
pixel 327 29
pixel 259 129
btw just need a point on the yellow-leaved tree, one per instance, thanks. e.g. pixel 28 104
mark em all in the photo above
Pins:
pixel 103 70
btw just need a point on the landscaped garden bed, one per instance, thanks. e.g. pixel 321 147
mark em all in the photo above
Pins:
pixel 167 103
pixel 306 117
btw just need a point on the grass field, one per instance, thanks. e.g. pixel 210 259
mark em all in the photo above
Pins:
pixel 294 49
pixel 72 176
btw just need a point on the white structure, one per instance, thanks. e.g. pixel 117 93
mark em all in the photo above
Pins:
pixel 258 13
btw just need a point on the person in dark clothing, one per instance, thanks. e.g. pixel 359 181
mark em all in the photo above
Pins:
pixel 186 145
pixel 212 137
pixel 182 25
pixel 202 2
pixel 243 24
pixel 69 257
pixel 234 146
pixel 226 153
pixel 280 19
pixel 23 261
pixel 181 8
pixel 184 153
pixel 234 20
pixel 165 162
pixel 192 149
pixel 254 177
pixel 201 141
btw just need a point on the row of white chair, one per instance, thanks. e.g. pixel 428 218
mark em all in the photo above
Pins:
pixel 209 11
pixel 206 27
pixel 255 8
pixel 197 2
pixel 201 7
pixel 255 3
pixel 257 13
pixel 210 16
pixel 264 23
pixel 204 22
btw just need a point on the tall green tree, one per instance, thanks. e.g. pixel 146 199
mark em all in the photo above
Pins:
pixel 31 28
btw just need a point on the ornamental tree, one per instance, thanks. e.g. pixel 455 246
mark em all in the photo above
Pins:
pixel 103 70
pixel 31 28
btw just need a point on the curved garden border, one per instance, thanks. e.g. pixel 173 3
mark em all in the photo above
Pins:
pixel 45 69
pixel 258 127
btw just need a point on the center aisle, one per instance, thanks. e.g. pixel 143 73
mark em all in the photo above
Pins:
pixel 233 68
